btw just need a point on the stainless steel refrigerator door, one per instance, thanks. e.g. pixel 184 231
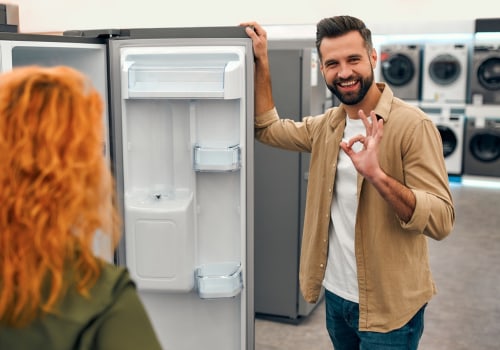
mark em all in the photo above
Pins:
pixel 85 55
pixel 182 125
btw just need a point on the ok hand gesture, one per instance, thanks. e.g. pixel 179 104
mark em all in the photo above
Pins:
pixel 366 160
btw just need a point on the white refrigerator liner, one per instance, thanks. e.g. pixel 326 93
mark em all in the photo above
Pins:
pixel 182 167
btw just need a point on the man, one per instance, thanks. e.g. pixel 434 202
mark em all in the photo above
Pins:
pixel 378 187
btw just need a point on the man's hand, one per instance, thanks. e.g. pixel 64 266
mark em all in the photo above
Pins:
pixel 259 39
pixel 366 160
pixel 262 82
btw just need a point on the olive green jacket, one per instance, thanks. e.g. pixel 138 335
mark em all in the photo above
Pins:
pixel 394 277
pixel 112 318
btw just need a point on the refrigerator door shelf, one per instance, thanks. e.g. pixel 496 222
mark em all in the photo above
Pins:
pixel 217 159
pixel 183 72
pixel 219 280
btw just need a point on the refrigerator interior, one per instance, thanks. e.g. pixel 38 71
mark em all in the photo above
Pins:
pixel 88 58
pixel 181 133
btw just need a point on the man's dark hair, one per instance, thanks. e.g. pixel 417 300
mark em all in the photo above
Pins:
pixel 340 25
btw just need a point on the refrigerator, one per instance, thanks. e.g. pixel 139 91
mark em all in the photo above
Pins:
pixel 281 185
pixel 179 138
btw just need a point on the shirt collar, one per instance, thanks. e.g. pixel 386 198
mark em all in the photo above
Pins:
pixel 384 104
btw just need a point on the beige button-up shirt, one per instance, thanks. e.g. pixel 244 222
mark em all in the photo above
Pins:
pixel 394 277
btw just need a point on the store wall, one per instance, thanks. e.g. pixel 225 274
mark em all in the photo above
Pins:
pixel 383 16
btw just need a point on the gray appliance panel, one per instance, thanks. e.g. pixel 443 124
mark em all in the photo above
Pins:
pixel 485 74
pixel 401 67
pixel 482 148
pixel 277 190
pixel 280 190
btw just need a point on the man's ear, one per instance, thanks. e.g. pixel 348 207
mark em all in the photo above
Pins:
pixel 374 58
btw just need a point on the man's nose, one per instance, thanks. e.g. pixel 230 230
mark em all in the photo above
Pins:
pixel 345 71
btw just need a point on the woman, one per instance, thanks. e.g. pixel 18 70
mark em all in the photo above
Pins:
pixel 56 192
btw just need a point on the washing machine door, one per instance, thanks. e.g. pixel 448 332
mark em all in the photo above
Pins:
pixel 449 140
pixel 444 69
pixel 397 69
pixel 488 73
pixel 485 146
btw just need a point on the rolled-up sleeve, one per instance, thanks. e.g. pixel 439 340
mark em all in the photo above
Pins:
pixel 433 216
pixel 426 175
pixel 284 133
pixel 266 119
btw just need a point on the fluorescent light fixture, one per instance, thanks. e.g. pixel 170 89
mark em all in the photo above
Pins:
pixel 423 38
pixel 481 182
pixel 487 36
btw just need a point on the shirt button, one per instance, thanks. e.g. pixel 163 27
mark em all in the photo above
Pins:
pixel 321 265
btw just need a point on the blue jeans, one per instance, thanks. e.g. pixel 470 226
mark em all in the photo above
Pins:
pixel 342 325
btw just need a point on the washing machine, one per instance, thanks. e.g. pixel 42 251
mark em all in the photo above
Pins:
pixel 482 147
pixel 451 127
pixel 401 66
pixel 485 74
pixel 445 73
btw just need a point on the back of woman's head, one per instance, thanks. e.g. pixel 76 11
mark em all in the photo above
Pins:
pixel 54 188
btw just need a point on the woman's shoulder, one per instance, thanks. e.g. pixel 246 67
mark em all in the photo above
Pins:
pixel 112 281
pixel 113 278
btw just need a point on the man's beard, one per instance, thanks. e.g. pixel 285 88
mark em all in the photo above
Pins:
pixel 351 98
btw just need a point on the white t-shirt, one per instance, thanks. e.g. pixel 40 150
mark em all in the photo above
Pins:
pixel 341 273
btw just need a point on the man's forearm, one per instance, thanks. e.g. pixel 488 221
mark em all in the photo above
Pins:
pixel 399 197
pixel 263 90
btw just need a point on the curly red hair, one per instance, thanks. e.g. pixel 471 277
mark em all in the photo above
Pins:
pixel 56 189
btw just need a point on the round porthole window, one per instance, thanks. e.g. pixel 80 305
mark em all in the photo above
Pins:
pixel 444 69
pixel 488 73
pixel 449 140
pixel 485 147
pixel 398 69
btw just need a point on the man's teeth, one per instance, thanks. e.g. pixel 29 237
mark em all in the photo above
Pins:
pixel 348 83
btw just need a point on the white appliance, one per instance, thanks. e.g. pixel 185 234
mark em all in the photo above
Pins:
pixel 485 74
pixel 451 126
pixel 181 137
pixel 401 66
pixel 445 72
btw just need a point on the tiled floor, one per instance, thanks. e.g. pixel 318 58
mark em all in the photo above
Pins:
pixel 464 315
